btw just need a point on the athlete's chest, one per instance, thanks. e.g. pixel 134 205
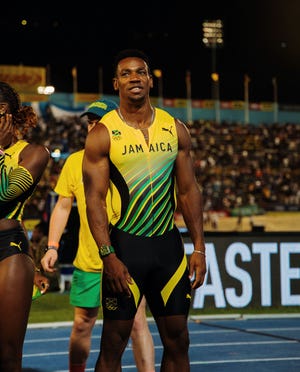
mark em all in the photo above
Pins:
pixel 129 145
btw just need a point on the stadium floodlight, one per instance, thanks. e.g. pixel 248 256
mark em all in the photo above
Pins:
pixel 49 89
pixel 213 39
pixel 213 33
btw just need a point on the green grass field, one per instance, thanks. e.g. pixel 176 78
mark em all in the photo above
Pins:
pixel 51 307
pixel 55 307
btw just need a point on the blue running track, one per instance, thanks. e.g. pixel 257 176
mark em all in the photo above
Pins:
pixel 217 344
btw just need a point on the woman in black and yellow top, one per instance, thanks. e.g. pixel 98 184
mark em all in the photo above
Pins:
pixel 21 166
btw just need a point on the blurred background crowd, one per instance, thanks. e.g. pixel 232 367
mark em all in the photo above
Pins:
pixel 237 165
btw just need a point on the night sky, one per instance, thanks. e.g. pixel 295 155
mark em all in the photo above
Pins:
pixel 261 39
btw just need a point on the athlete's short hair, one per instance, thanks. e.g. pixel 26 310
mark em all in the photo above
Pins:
pixel 125 53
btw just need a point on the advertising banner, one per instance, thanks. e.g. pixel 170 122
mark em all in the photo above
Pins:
pixel 249 270
pixel 24 79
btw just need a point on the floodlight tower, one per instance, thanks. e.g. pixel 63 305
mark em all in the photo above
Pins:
pixel 213 39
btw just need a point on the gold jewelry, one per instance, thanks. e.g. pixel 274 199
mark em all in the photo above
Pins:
pixel 134 125
pixel 144 130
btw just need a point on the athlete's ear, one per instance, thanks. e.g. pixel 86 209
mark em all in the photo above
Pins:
pixel 115 84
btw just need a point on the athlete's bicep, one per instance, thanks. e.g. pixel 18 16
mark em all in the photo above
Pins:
pixel 31 166
pixel 185 175
pixel 95 165
pixel 34 159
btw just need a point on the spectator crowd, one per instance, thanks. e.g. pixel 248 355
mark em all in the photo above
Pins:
pixel 237 165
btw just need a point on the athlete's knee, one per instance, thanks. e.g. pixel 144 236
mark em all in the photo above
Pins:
pixel 115 336
pixel 83 324
pixel 177 344
pixel 140 324
pixel 175 338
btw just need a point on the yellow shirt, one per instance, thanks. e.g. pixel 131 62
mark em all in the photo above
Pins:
pixel 70 184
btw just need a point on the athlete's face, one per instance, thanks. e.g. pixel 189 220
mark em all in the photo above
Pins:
pixel 133 79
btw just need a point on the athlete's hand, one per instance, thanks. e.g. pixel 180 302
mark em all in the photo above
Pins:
pixel 197 267
pixel 49 260
pixel 6 129
pixel 115 275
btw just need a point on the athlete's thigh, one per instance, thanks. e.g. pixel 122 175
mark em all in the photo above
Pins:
pixel 168 288
pixel 131 251
pixel 16 285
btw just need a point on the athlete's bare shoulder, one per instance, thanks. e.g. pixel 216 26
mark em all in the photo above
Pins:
pixel 184 138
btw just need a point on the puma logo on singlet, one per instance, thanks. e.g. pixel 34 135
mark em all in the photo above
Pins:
pixel 169 130
pixel 13 244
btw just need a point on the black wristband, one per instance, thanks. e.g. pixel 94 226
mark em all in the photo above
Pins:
pixel 50 247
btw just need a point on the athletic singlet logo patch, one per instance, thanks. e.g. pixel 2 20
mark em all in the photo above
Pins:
pixel 116 134
pixel 169 130
pixel 111 303
pixel 13 244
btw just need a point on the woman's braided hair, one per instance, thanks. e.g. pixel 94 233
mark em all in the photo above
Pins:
pixel 24 117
